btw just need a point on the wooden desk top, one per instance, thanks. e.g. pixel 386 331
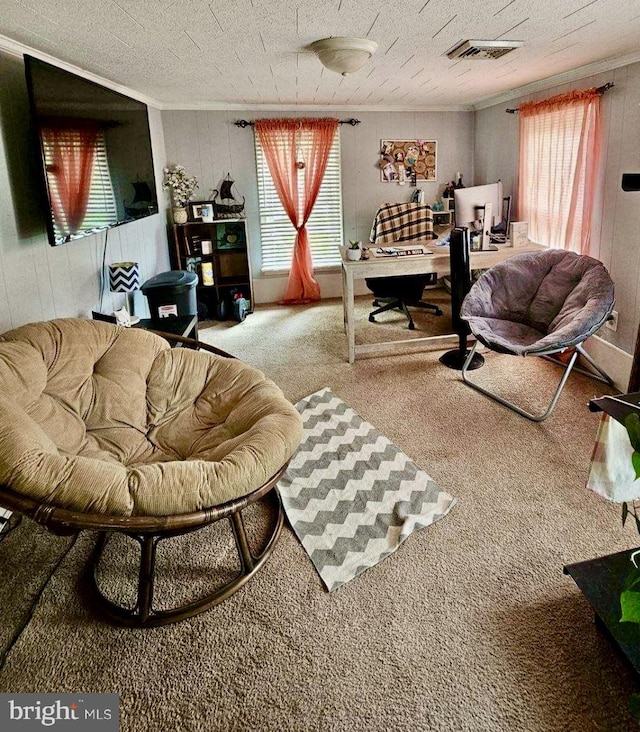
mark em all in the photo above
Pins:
pixel 437 261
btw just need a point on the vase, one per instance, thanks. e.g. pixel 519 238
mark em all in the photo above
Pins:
pixel 353 254
pixel 180 215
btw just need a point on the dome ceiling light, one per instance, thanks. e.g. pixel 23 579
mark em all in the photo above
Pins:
pixel 344 55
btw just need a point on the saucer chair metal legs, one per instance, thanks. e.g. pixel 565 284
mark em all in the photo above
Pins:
pixel 578 350
pixel 143 614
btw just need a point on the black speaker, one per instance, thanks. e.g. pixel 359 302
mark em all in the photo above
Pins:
pixel 460 275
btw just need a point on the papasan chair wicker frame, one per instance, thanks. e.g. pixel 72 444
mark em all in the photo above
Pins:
pixel 148 531
pixel 484 317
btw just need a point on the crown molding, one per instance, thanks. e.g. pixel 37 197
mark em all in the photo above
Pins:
pixel 354 109
pixel 17 49
pixel 598 67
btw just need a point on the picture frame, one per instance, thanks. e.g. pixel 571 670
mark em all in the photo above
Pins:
pixel 195 209
pixel 192 264
pixel 231 236
pixel 519 233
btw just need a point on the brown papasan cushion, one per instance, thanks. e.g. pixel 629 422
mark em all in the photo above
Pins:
pixel 110 420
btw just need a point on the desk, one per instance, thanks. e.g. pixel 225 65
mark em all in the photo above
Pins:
pixel 387 266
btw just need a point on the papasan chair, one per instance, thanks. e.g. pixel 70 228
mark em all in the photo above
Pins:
pixel 539 304
pixel 109 428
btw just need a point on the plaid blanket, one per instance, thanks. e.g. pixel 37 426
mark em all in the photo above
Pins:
pixel 396 222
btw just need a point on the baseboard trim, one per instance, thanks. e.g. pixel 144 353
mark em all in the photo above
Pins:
pixel 615 361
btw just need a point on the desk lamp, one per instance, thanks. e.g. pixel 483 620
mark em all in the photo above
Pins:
pixel 125 277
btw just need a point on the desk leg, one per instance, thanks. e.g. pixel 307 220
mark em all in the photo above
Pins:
pixel 344 298
pixel 348 301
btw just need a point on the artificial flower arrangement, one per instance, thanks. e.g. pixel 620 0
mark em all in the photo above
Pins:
pixel 180 184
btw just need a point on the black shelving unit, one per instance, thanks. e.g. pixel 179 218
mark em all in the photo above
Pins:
pixel 218 252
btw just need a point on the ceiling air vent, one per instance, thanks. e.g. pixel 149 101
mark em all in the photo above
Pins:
pixel 483 49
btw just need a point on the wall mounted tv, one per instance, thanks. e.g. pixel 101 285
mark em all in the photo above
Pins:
pixel 95 151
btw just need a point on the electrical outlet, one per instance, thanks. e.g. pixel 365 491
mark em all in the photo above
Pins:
pixel 612 323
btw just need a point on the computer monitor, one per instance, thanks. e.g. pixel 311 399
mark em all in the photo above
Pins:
pixel 470 203
pixel 470 206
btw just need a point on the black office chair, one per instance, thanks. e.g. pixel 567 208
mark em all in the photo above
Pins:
pixel 393 224
pixel 399 293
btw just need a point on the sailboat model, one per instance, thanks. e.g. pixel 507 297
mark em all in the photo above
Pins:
pixel 229 205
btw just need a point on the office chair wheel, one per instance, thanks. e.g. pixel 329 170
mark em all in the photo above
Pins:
pixel 411 326
pixel 438 311
pixel 372 319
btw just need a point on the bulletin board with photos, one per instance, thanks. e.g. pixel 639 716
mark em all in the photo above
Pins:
pixel 408 160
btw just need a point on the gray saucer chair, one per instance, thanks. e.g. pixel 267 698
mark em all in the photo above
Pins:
pixel 539 304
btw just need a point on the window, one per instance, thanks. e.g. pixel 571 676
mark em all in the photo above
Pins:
pixel 559 157
pixel 324 227
pixel 101 207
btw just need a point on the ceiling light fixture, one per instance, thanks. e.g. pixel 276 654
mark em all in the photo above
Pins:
pixel 344 55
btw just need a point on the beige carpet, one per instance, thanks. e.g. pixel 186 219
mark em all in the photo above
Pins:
pixel 470 625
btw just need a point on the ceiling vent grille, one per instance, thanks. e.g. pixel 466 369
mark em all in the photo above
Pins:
pixel 483 49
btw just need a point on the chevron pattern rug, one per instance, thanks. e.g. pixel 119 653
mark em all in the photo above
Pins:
pixel 351 496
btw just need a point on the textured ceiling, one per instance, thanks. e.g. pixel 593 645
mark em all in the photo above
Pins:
pixel 240 53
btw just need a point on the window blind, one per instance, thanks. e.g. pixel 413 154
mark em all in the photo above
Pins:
pixel 553 175
pixel 324 227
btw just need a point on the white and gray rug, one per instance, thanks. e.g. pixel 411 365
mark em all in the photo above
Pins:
pixel 5 515
pixel 351 496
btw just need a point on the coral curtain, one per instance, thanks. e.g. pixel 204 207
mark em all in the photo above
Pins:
pixel 71 151
pixel 284 141
pixel 560 141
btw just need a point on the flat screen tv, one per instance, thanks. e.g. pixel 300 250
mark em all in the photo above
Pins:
pixel 95 151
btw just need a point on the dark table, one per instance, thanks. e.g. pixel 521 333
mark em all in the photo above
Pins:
pixel 601 581
pixel 618 406
pixel 185 326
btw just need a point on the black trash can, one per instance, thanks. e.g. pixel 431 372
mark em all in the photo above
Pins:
pixel 172 294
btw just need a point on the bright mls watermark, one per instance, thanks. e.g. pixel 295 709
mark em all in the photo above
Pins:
pixel 60 712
